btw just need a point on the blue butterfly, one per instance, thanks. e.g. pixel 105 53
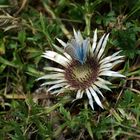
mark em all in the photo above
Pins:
pixel 78 51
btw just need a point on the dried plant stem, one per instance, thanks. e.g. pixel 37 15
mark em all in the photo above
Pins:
pixel 21 7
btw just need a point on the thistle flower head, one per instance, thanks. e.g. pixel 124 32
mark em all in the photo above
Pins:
pixel 84 67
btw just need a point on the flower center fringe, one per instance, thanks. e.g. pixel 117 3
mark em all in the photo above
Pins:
pixel 82 76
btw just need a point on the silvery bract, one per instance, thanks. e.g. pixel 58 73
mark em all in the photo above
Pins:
pixel 84 68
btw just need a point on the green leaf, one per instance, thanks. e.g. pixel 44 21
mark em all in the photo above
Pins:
pixel 65 113
pixel 2 67
pixel 7 63
pixel 22 37
pixel 88 126
pixel 33 72
pixel 2 47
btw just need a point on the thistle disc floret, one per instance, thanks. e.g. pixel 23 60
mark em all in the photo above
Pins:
pixel 82 76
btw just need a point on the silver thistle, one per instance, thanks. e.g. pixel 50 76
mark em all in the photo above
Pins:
pixel 84 68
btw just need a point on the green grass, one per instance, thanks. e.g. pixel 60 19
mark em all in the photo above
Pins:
pixel 27 29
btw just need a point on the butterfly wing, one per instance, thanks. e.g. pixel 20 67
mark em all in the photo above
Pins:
pixel 78 49
pixel 84 49
pixel 71 51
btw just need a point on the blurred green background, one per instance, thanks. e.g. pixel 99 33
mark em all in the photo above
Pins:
pixel 27 29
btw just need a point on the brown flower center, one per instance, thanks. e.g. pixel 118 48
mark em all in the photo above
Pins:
pixel 82 76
